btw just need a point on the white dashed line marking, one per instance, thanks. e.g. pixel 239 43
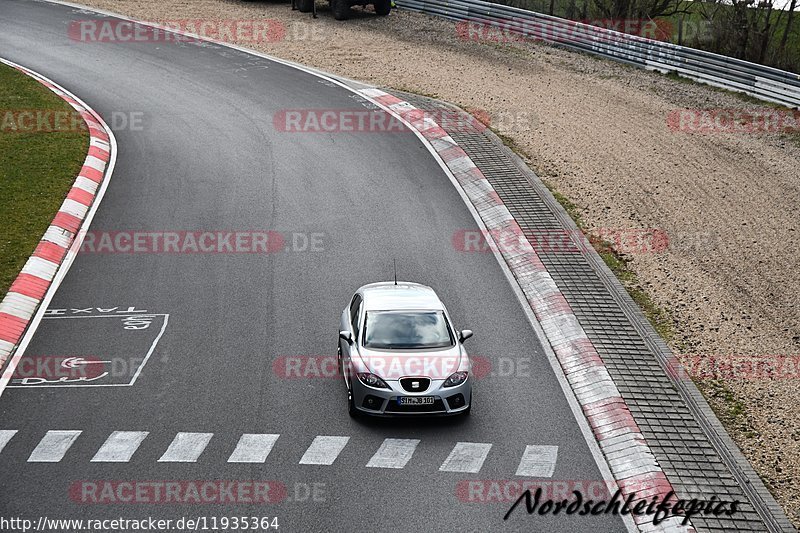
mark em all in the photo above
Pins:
pixel 119 447
pixel 53 446
pixel 466 457
pixel 538 461
pixel 5 436
pixel 324 450
pixel 186 448
pixel 393 453
pixel 253 448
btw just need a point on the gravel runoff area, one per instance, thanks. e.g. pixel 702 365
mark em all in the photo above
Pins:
pixel 597 131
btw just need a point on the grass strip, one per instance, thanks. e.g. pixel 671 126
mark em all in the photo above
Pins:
pixel 39 159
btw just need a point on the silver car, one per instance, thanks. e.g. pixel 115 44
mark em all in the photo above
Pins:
pixel 399 353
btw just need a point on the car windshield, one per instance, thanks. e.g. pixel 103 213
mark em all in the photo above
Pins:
pixel 406 329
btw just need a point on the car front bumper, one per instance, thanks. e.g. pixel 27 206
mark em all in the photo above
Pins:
pixel 384 402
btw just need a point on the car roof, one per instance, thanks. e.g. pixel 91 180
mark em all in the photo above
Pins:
pixel 387 296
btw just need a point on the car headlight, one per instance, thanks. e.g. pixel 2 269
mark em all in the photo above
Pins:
pixel 371 380
pixel 456 378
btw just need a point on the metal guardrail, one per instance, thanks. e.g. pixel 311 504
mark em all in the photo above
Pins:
pixel 762 82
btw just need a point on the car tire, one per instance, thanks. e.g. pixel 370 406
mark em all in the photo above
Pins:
pixel 341 9
pixel 305 6
pixel 383 7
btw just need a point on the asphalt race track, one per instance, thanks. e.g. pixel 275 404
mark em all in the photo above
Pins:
pixel 195 342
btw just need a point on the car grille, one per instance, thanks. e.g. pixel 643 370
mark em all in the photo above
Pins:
pixel 408 384
pixel 394 407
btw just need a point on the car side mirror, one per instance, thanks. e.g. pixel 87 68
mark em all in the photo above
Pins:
pixel 464 334
pixel 346 336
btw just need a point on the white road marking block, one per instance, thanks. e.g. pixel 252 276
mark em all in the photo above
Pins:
pixel 538 461
pixel 324 450
pixel 19 305
pixel 98 143
pixel 95 163
pixel 373 92
pixel 76 209
pixel 461 164
pixel 5 436
pixel 253 448
pixel 401 108
pixel 53 446
pixel 479 187
pixel 5 348
pixel 86 184
pixel 393 453
pixel 186 447
pixel 495 216
pixel 57 236
pixel 41 268
pixel 119 447
pixel 466 457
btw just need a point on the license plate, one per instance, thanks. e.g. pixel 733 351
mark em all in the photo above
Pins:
pixel 415 400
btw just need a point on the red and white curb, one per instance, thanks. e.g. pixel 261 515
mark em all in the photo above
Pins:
pixel 22 306
pixel 631 462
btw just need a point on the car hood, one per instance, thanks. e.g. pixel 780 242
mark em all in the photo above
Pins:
pixel 395 364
